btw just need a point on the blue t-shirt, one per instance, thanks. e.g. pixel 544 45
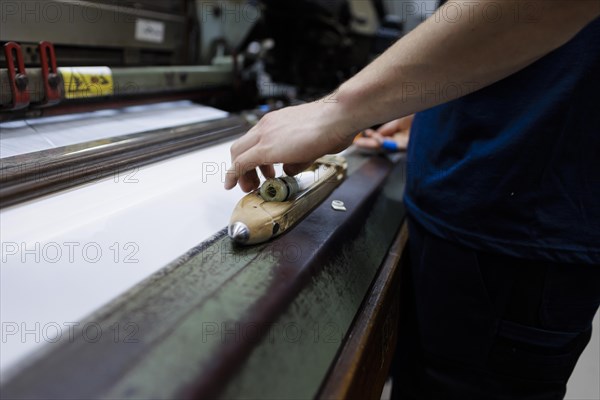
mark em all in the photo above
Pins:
pixel 514 168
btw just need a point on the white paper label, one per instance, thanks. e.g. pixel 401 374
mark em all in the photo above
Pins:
pixel 149 31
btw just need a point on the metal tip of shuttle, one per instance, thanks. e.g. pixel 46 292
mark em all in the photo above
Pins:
pixel 239 232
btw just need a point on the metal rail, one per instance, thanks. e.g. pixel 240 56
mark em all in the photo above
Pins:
pixel 31 175
pixel 127 82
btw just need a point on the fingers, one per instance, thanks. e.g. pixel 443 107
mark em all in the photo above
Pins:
pixel 270 141
pixel 375 140
pixel 389 128
pixel 244 143
pixel 405 123
pixel 241 168
pixel 395 126
pixel 371 139
pixel 293 169
pixel 268 170
pixel 245 158
pixel 368 142
pixel 249 181
pixel 401 140
pixel 369 132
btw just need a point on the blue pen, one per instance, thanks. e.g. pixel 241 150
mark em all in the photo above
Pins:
pixel 389 145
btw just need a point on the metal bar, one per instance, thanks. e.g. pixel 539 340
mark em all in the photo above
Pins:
pixel 134 81
pixel 217 97
pixel 28 176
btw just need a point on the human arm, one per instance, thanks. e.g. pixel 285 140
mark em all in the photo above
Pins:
pixel 442 59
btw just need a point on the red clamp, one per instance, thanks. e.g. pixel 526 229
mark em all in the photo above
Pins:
pixel 17 77
pixel 50 77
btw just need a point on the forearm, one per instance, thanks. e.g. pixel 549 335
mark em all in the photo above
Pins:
pixel 440 60
pixel 447 56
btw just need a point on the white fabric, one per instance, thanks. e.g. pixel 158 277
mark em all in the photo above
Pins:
pixel 25 136
pixel 141 220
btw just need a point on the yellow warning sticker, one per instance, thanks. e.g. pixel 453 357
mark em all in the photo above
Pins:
pixel 84 82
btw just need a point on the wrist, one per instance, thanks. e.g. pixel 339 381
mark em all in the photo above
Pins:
pixel 343 111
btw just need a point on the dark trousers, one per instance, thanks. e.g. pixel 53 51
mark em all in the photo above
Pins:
pixel 487 326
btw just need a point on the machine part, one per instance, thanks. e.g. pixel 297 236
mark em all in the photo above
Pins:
pixel 318 43
pixel 364 19
pixel 137 80
pixel 101 32
pixel 286 187
pixel 264 219
pixel 279 189
pixel 224 25
pixel 52 82
pixel 91 83
pixel 239 232
pixel 17 77
pixel 31 175
pixel 338 205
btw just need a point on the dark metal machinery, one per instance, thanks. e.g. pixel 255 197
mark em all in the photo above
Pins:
pixel 203 50
pixel 100 32
pixel 103 54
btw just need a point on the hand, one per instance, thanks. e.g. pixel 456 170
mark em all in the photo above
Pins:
pixel 295 136
pixel 398 130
